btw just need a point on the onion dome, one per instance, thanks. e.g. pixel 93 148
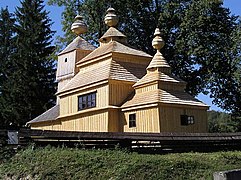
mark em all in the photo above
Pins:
pixel 79 26
pixel 112 34
pixel 111 19
pixel 158 60
pixel 158 42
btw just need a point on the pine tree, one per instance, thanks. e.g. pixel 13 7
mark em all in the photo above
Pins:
pixel 7 48
pixel 32 86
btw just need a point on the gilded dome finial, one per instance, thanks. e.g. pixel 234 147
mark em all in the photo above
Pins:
pixel 157 42
pixel 79 26
pixel 110 18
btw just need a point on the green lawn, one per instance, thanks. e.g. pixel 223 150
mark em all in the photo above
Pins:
pixel 67 163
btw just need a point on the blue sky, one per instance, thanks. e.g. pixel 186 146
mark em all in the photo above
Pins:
pixel 55 15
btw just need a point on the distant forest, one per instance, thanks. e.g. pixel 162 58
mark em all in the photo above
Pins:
pixel 222 122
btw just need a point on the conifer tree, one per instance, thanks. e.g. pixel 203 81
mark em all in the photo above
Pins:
pixel 33 87
pixel 7 48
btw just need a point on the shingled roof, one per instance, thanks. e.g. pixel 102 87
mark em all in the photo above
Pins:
pixel 158 76
pixel 78 43
pixel 159 70
pixel 162 96
pixel 111 47
pixel 88 77
pixel 109 69
pixel 49 115
pixel 112 32
pixel 158 61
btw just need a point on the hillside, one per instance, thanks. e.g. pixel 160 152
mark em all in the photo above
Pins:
pixel 65 163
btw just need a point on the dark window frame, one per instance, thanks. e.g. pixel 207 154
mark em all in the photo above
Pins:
pixel 87 101
pixel 132 120
pixel 187 120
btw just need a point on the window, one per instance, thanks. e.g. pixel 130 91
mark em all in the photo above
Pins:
pixel 132 120
pixel 187 120
pixel 65 60
pixel 87 101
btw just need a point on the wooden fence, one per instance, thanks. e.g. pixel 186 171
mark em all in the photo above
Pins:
pixel 143 142
pixel 178 142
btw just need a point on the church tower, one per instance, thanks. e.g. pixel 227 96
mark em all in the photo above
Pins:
pixel 74 52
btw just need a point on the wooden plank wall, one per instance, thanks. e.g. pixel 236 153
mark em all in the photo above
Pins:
pixel 147 120
pixel 91 122
pixel 119 91
pixel 171 121
pixel 172 86
pixel 147 88
pixel 69 104
pixel 113 121
pixel 65 68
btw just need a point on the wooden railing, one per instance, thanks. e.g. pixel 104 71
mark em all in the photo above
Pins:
pixel 138 141
pixel 174 142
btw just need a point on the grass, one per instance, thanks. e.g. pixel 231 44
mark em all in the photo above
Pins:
pixel 72 163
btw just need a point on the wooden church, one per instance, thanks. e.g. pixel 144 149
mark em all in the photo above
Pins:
pixel 115 88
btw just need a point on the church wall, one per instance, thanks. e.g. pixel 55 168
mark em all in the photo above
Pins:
pixel 53 125
pixel 89 122
pixel 80 54
pixel 147 88
pixel 171 120
pixel 143 61
pixel 113 121
pixel 62 83
pixel 105 62
pixel 65 69
pixel 69 103
pixel 147 120
pixel 119 91
pixel 171 86
pixel 66 64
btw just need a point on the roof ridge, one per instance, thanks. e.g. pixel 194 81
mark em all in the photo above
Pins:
pixel 78 43
pixel 114 46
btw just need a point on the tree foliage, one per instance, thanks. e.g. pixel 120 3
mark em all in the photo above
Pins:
pixel 30 87
pixel 202 39
pixel 7 48
pixel 220 122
